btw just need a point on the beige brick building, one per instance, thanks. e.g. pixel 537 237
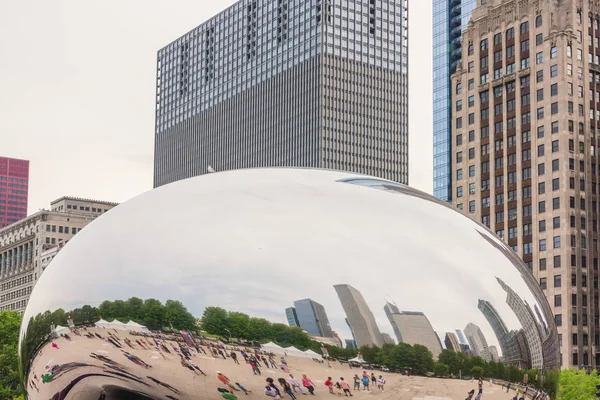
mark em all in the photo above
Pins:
pixel 28 246
pixel 525 121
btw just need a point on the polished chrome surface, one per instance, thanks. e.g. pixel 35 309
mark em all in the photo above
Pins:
pixel 256 242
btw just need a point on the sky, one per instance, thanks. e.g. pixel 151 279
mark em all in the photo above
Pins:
pixel 77 86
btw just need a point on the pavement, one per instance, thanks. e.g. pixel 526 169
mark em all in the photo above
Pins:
pixel 188 385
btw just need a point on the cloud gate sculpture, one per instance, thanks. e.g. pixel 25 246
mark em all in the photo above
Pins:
pixel 206 287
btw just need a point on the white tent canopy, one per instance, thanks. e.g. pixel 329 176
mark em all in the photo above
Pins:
pixel 312 354
pixel 134 326
pixel 292 351
pixel 116 324
pixel 357 360
pixel 102 324
pixel 273 348
pixel 59 330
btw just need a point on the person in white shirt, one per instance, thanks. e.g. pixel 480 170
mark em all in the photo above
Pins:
pixel 294 384
pixel 380 383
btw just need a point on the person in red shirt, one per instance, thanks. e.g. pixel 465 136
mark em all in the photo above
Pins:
pixel 329 384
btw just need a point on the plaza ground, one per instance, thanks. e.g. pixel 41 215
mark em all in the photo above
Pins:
pixel 192 386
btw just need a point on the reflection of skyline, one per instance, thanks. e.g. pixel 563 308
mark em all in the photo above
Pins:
pixel 451 342
pixel 312 318
pixel 359 316
pixel 512 353
pixel 477 341
pixel 528 322
pixel 414 328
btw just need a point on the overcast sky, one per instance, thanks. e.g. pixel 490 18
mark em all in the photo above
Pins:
pixel 77 87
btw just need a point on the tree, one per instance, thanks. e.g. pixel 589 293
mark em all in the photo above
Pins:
pixel 577 384
pixel 423 359
pixel 215 321
pixel 440 369
pixel 177 315
pixel 477 372
pixel 451 359
pixel 10 323
pixel 154 313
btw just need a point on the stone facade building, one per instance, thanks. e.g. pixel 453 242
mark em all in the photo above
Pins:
pixel 28 246
pixel 525 124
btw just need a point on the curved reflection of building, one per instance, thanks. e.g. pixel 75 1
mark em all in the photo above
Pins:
pixel 312 318
pixel 359 316
pixel 550 349
pixel 530 326
pixel 494 353
pixel 477 341
pixel 415 328
pixel 512 353
pixel 451 342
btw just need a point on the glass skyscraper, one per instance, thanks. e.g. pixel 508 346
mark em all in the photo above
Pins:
pixel 308 83
pixel 450 18
pixel 312 317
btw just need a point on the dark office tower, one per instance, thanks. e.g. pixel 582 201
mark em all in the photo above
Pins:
pixel 292 317
pixel 14 188
pixel 450 18
pixel 312 318
pixel 307 83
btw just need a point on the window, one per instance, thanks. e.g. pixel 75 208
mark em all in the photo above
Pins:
pixel 459 157
pixel 541 187
pixel 472 206
pixel 539 57
pixel 484 97
pixel 554 89
pixel 556 261
pixel 557 300
pixel 542 226
pixel 483 45
pixel 554 110
pixel 459 174
pixel 569 51
pixel 540 150
pixel 524 27
pixel 471 84
pixel 555 165
pixel 540 131
pixel 525 100
pixel 471 170
pixel 459 191
pixel 555 146
pixel 471 136
pixel 556 223
pixel 556 241
pixel 471 119
pixel 555 123
pixel 553 52
pixel 538 21
pixel 556 203
pixel 542 245
pixel 557 317
pixel 557 281
pixel 458 122
pixel 543 285
pixel 510 34
pixel 541 169
pixel 555 184
pixel 542 206
pixel 458 140
pixel 542 264
pixel 459 105
pixel 540 113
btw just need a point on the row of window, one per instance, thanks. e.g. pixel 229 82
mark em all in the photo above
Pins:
pixel 16 282
pixel 19 305
pixel 62 229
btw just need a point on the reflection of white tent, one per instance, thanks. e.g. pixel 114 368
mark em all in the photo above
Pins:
pixel 116 324
pixel 102 324
pixel 357 360
pixel 134 326
pixel 292 351
pixel 312 354
pixel 273 348
pixel 61 330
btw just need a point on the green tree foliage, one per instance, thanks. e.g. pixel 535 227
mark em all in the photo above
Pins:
pixel 10 322
pixel 441 369
pixel 577 384
pixel 477 372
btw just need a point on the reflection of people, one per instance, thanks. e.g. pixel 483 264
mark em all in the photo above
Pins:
pixel 295 384
pixel 329 384
pixel 243 389
pixel 365 381
pixel 226 394
pixel 470 394
pixel 380 383
pixel 225 380
pixel 345 387
pixel 356 382
pixel 308 384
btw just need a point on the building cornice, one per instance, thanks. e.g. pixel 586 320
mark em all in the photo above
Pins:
pixel 110 203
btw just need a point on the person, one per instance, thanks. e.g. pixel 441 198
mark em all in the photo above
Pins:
pixel 254 366
pixel 234 357
pixel 345 387
pixel 365 382
pixel 356 382
pixel 271 390
pixel 480 383
pixel 295 385
pixel 508 387
pixel 522 397
pixel 373 379
pixel 338 388
pixel 225 380
pixel 286 388
pixel 478 397
pixel 329 384
pixel 55 345
pixel 226 394
pixel 470 394
pixel 308 384
pixel 243 389
pixel 380 383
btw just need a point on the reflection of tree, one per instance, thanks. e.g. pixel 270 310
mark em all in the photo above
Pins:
pixel 9 374
pixel 150 312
